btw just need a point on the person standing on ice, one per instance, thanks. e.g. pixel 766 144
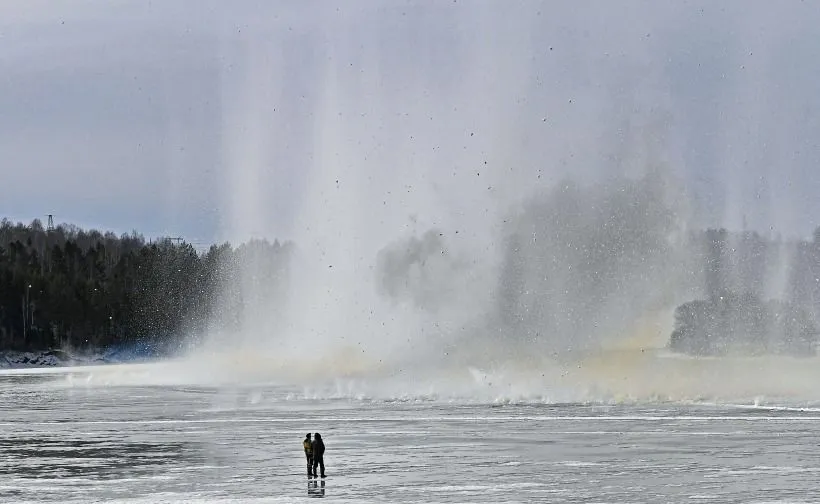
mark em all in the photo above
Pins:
pixel 318 451
pixel 308 446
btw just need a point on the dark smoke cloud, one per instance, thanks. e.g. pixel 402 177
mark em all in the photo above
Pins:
pixel 419 270
pixel 582 263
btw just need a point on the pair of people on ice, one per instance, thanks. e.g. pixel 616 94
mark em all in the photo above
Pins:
pixel 314 453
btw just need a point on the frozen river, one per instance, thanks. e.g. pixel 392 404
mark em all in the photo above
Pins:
pixel 67 437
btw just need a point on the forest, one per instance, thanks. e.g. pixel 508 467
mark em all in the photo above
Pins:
pixel 582 263
pixel 68 288
pixel 742 293
pixel 762 297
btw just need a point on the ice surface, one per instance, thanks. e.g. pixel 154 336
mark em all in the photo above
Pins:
pixel 69 437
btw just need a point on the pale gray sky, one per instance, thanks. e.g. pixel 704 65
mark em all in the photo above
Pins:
pixel 215 120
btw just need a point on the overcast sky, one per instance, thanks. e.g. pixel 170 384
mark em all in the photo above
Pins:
pixel 222 120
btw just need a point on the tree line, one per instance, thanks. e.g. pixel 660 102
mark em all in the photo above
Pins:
pixel 762 296
pixel 570 269
pixel 581 263
pixel 70 288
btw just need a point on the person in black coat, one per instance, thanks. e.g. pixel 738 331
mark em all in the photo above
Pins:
pixel 318 452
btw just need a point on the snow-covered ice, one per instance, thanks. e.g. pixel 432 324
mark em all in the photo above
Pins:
pixel 71 437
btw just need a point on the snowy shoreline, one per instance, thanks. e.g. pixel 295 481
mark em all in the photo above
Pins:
pixel 10 359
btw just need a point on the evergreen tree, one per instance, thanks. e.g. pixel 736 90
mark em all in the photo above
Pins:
pixel 71 288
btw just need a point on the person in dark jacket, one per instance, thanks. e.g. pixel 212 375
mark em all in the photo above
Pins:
pixel 318 451
pixel 308 447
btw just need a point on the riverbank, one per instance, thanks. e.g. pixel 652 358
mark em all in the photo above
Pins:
pixel 56 358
